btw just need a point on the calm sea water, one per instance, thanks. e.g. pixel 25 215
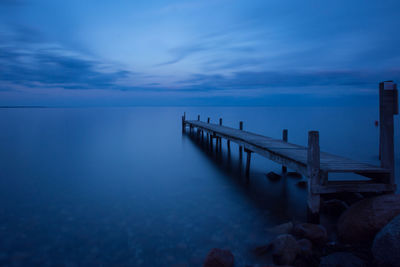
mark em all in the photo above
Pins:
pixel 124 187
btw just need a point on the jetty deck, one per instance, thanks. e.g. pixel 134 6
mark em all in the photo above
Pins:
pixel 310 161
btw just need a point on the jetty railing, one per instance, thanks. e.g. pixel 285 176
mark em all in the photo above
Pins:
pixel 310 161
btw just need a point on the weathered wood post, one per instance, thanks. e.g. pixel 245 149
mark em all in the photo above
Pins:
pixel 198 117
pixel 285 139
pixel 313 172
pixel 240 147
pixel 208 136
pixel 248 160
pixel 183 122
pixel 220 138
pixel 388 107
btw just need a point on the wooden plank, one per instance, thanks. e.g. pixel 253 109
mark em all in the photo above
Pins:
pixel 353 187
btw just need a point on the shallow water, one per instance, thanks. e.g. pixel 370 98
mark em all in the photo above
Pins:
pixel 123 186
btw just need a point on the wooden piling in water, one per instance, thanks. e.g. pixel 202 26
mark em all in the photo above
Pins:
pixel 183 122
pixel 285 139
pixel 248 160
pixel 240 147
pixel 313 171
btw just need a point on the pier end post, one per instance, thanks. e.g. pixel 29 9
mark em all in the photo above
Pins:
pixel 285 139
pixel 388 107
pixel 313 172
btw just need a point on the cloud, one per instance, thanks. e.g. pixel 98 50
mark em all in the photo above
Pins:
pixel 320 82
pixel 26 59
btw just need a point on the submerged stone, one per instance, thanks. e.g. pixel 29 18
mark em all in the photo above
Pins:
pixel 285 249
pixel 219 258
pixel 273 176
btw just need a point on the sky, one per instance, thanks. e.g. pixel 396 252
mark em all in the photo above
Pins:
pixel 205 52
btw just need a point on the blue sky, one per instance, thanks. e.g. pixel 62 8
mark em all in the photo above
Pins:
pixel 208 52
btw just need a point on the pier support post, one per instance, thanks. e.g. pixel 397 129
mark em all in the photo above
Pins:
pixel 208 121
pixel 248 160
pixel 388 107
pixel 285 139
pixel 314 176
pixel 228 144
pixel 240 147
pixel 183 122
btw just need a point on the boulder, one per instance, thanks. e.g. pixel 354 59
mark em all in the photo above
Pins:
pixel 285 228
pixel 219 258
pixel 294 175
pixel 273 176
pixel 316 233
pixel 334 207
pixel 361 222
pixel 386 246
pixel 341 259
pixel 284 249
pixel 306 247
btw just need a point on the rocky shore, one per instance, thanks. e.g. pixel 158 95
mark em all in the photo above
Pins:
pixel 355 231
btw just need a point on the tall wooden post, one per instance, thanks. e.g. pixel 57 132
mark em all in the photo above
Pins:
pixel 285 139
pixel 388 106
pixel 240 147
pixel 313 172
pixel 220 121
pixel 198 117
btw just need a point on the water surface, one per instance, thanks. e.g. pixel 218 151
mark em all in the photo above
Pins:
pixel 123 186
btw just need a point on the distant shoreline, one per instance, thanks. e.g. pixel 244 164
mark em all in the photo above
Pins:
pixel 23 107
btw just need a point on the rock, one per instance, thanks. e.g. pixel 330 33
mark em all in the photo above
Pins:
pixel 273 176
pixel 386 246
pixel 361 222
pixel 334 207
pixel 294 174
pixel 352 198
pixel 341 259
pixel 262 250
pixel 302 184
pixel 285 228
pixel 305 246
pixel 219 258
pixel 316 233
pixel 285 249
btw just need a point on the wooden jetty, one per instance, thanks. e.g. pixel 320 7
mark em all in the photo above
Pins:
pixel 310 161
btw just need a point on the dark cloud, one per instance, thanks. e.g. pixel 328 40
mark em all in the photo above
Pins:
pixel 49 67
